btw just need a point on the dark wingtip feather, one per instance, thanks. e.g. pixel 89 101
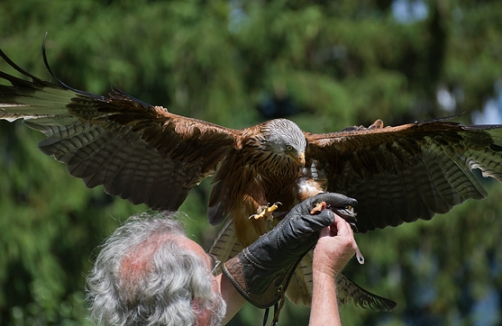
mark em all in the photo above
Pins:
pixel 16 67
pixel 46 62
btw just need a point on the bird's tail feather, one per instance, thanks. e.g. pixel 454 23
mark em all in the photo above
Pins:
pixel 349 291
pixel 226 245
pixel 300 289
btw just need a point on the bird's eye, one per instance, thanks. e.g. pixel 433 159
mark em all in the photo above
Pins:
pixel 289 148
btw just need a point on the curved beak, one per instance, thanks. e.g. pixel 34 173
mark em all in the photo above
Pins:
pixel 301 159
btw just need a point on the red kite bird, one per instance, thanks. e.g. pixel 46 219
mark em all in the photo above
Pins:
pixel 146 154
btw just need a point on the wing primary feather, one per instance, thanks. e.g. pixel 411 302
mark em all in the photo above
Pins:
pixel 46 62
pixel 226 245
pixel 16 67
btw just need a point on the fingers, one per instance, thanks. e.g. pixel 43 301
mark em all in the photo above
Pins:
pixel 343 228
pixel 325 232
pixel 339 227
pixel 326 217
pixel 335 200
pixel 336 246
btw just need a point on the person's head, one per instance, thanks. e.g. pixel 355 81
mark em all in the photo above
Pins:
pixel 149 273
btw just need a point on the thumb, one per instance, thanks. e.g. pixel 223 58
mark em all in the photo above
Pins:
pixel 324 232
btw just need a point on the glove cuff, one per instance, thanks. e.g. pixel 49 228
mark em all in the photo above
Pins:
pixel 260 286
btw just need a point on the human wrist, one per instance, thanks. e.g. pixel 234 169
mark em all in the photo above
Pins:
pixel 322 270
pixel 330 256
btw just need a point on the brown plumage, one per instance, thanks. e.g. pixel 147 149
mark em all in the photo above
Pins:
pixel 146 154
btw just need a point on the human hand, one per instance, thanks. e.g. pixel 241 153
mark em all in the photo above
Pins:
pixel 336 246
pixel 300 227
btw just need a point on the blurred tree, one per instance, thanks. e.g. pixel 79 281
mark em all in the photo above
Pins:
pixel 325 64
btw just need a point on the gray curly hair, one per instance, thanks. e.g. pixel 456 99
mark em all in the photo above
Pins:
pixel 142 276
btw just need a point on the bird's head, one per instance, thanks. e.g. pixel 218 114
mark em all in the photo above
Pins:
pixel 285 138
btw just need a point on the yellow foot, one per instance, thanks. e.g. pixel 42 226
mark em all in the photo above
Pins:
pixel 266 211
pixel 318 208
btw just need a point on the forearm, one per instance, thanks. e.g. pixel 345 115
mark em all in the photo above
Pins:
pixel 324 309
pixel 334 249
pixel 231 296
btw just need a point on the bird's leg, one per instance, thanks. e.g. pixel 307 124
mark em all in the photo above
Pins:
pixel 266 211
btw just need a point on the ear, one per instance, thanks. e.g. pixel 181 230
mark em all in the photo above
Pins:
pixel 203 314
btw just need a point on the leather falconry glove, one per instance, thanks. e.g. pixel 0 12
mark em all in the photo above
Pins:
pixel 261 272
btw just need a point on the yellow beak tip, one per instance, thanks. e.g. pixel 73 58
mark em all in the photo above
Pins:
pixel 301 159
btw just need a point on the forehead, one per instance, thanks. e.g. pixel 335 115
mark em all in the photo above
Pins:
pixel 283 130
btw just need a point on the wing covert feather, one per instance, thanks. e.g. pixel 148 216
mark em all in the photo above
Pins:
pixel 151 157
pixel 401 174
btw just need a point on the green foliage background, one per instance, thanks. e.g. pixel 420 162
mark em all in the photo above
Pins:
pixel 335 63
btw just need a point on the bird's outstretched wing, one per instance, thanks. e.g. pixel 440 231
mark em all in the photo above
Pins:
pixel 137 151
pixel 409 172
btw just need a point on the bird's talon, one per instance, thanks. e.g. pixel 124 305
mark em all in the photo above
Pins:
pixel 274 206
pixel 266 211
